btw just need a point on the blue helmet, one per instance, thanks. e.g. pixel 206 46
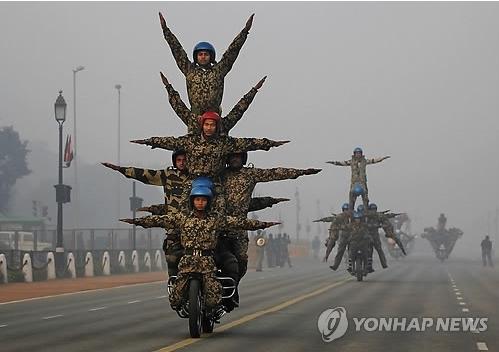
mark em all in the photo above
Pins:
pixel 202 181
pixel 361 208
pixel 357 215
pixel 200 191
pixel 204 46
pixel 357 190
pixel 373 206
pixel 345 206
pixel 358 150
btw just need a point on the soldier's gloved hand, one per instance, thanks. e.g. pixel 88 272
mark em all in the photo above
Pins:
pixel 279 143
pixel 260 83
pixel 278 200
pixel 111 166
pixel 163 22
pixel 164 79
pixel 270 223
pixel 128 221
pixel 312 171
pixel 249 23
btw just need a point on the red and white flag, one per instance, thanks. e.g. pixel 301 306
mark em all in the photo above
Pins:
pixel 68 152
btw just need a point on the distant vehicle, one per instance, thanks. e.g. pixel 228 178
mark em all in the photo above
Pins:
pixel 26 241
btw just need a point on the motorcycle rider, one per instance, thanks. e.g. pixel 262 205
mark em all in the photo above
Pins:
pixel 199 236
pixel 173 179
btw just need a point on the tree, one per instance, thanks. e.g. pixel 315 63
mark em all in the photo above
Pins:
pixel 13 163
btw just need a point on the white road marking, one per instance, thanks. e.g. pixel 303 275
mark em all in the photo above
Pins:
pixel 465 310
pixel 80 292
pixel 482 346
pixel 456 289
pixel 4 325
pixel 97 308
pixel 459 297
pixel 462 303
pixel 160 297
pixel 132 302
pixel 53 317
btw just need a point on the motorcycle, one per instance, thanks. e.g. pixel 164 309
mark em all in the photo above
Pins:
pixel 358 252
pixel 200 318
pixel 441 253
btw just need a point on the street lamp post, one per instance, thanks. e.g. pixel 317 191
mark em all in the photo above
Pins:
pixel 75 154
pixel 118 88
pixel 62 191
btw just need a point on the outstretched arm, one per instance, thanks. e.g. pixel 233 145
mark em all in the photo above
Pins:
pixel 178 105
pixel 280 173
pixel 376 160
pixel 340 163
pixel 147 176
pixel 164 221
pixel 240 108
pixel 178 52
pixel 232 222
pixel 259 203
pixel 155 209
pixel 169 143
pixel 240 145
pixel 229 57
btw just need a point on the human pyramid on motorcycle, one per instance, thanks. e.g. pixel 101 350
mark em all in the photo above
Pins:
pixel 208 188
pixel 358 229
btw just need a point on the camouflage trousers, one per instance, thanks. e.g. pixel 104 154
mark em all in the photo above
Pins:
pixel 353 198
pixel 376 243
pixel 203 266
pixel 173 253
pixel 238 245
pixel 211 287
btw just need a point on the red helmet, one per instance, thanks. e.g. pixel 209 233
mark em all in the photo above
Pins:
pixel 210 115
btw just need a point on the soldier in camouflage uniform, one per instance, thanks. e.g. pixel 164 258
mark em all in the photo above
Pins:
pixel 205 77
pixel 199 236
pixel 173 179
pixel 206 154
pixel 191 120
pixel 256 203
pixel 358 165
pixel 355 229
pixel 375 221
pixel 338 230
pixel 239 183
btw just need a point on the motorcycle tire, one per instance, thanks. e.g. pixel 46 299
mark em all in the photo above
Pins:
pixel 358 269
pixel 195 309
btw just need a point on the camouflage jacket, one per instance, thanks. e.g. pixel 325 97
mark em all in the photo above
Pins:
pixel 379 220
pixel 207 157
pixel 358 232
pixel 358 167
pixel 256 203
pixel 172 180
pixel 199 234
pixel 205 86
pixel 190 119
pixel 239 185
pixel 339 224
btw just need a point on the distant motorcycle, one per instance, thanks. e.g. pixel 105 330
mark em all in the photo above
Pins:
pixel 200 319
pixel 441 253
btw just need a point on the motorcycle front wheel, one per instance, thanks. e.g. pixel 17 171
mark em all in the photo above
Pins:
pixel 195 309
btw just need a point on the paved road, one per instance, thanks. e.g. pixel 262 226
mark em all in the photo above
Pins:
pixel 279 310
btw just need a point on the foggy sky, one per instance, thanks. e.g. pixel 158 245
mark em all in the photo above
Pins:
pixel 417 81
